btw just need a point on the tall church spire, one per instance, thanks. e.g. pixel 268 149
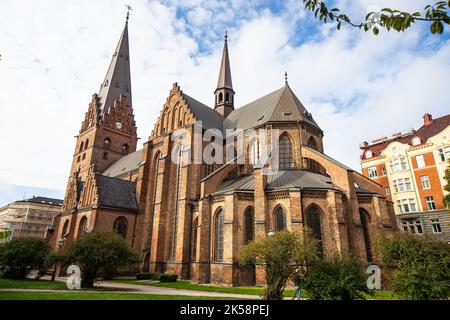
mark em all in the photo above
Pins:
pixel 118 80
pixel 224 92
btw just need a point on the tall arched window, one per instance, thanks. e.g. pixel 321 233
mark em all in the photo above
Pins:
pixel 179 153
pixel 125 148
pixel 286 155
pixel 280 219
pixel 220 97
pixel 227 98
pixel 365 219
pixel 65 229
pixel 106 143
pixel 312 143
pixel 81 146
pixel 253 152
pixel 218 239
pixel 313 222
pixel 194 240
pixel 120 226
pixel 86 145
pixel 82 227
pixel 249 223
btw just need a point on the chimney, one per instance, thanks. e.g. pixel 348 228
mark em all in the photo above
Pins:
pixel 427 119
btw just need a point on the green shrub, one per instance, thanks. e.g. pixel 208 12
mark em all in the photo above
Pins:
pixel 163 277
pixel 341 278
pixel 168 277
pixel 421 265
pixel 99 251
pixel 19 256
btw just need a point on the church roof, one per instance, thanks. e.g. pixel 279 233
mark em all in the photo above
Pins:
pixel 116 193
pixel 280 105
pixel 281 180
pixel 124 165
pixel 209 117
pixel 117 80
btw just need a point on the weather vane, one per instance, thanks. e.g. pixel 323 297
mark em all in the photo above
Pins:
pixel 129 8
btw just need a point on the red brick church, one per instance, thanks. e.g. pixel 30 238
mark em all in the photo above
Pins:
pixel 192 218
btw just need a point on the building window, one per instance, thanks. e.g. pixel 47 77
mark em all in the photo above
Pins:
pixel 125 149
pixel 253 151
pixel 286 155
pixel 383 171
pixel 416 141
pixel 364 217
pixel 403 184
pixel 406 205
pixel 106 143
pixel 280 219
pixel 413 226
pixel 65 229
pixel 373 172
pixel 444 153
pixel 220 97
pixel 435 224
pixel 430 203
pixel 313 222
pixel 387 191
pixel 84 156
pixel 81 146
pixel 249 225
pixel 120 226
pixel 425 180
pixel 398 164
pixel 179 153
pixel 312 143
pixel 82 227
pixel 86 145
pixel 420 161
pixel 218 243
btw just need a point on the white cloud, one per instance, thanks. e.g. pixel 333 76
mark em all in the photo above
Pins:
pixel 55 55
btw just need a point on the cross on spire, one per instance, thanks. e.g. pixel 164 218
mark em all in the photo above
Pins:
pixel 226 34
pixel 286 77
pixel 129 8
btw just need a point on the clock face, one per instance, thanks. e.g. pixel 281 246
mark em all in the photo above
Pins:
pixel 119 125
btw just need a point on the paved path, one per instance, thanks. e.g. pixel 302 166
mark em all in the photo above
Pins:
pixel 143 289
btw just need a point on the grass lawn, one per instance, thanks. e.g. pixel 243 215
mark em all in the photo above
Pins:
pixel 187 285
pixel 32 284
pixel 95 296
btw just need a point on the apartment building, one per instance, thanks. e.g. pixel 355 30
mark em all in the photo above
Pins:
pixel 30 217
pixel 411 168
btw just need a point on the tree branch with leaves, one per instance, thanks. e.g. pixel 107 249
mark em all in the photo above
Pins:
pixel 437 15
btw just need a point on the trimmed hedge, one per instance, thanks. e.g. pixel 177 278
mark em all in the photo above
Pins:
pixel 162 277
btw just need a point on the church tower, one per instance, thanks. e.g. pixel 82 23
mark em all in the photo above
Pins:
pixel 224 94
pixel 108 131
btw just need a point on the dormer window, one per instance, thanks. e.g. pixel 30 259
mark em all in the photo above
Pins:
pixel 369 154
pixel 416 141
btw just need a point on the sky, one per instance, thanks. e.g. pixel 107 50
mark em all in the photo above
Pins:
pixel 54 55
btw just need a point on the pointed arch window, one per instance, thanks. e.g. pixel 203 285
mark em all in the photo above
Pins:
pixel 286 155
pixel 249 223
pixel 120 226
pixel 280 219
pixel 312 143
pixel 253 152
pixel 218 239
pixel 86 145
pixel 220 97
pixel 227 97
pixel 82 227
pixel 364 217
pixel 65 229
pixel 81 146
pixel 313 222
pixel 179 153
pixel 194 240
